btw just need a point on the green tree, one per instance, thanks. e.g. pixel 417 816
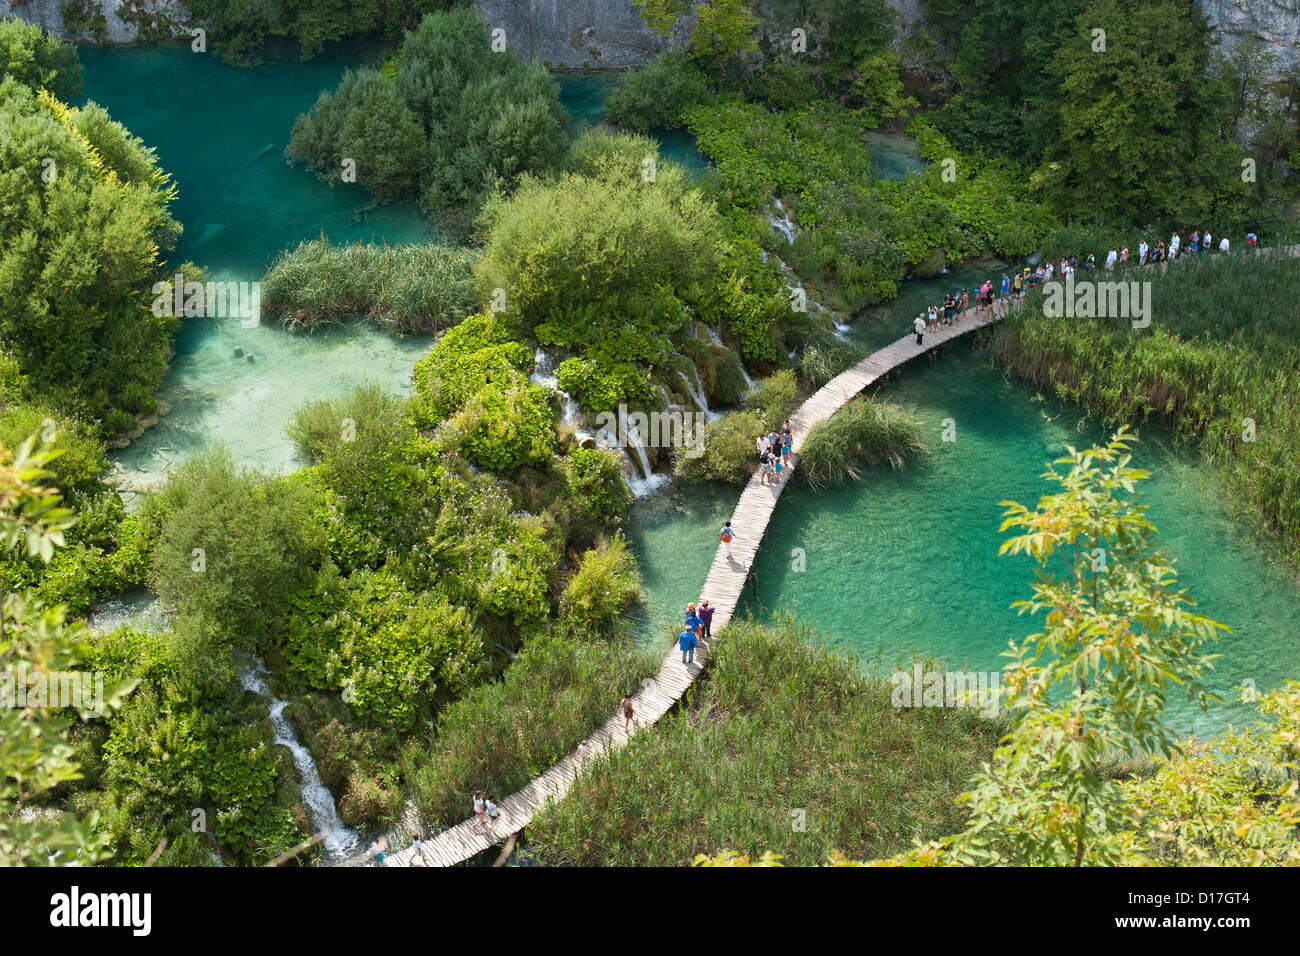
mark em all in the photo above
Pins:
pixel 35 58
pixel 1117 639
pixel 35 754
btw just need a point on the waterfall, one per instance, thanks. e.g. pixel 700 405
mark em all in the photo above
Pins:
pixel 697 394
pixel 783 223
pixel 543 372
pixel 648 481
pixel 339 839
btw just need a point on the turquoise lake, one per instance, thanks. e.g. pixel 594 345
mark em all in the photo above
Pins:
pixel 898 564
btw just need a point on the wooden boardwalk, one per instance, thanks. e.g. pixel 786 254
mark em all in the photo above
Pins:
pixel 722 589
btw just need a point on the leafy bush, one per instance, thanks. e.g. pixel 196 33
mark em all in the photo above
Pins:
pixel 78 262
pixel 453 120
pixel 729 454
pixel 473 386
pixel 393 653
pixel 230 546
pixel 775 398
pixel 595 482
pixel 34 57
pixel 654 96
pixel 604 585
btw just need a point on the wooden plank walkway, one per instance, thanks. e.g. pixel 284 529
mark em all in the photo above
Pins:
pixel 722 589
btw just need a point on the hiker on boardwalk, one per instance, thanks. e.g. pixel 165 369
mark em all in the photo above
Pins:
pixel 417 850
pixel 478 809
pixel 377 852
pixel 584 751
pixel 1143 249
pixel 764 469
pixel 706 618
pixel 493 813
pixel 629 713
pixel 777 465
pixel 687 641
pixel 919 325
pixel 726 536
pixel 693 620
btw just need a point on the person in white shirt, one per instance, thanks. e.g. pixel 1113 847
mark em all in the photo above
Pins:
pixel 1048 276
pixel 1223 245
pixel 919 325
pixel 1110 258
pixel 1143 249
pixel 1173 246
pixel 1207 244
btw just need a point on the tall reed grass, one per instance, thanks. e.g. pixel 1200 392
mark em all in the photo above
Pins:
pixel 406 289
pixel 783 745
pixel 864 433
pixel 1220 363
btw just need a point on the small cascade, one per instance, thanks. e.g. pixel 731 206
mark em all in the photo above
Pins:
pixel 139 608
pixel 339 839
pixel 697 395
pixel 543 372
pixel 569 415
pixel 649 481
pixel 782 223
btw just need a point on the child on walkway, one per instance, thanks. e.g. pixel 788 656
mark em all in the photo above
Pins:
pixel 725 536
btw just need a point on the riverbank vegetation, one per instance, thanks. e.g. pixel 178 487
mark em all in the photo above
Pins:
pixel 446 120
pixel 783 745
pixel 411 289
pixel 1222 374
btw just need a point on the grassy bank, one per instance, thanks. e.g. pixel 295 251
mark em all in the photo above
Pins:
pixel 777 726
pixel 1213 365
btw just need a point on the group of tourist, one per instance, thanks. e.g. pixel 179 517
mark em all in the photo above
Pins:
pixel 774 450
pixel 956 303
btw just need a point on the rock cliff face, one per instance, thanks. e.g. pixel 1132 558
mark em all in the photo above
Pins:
pixel 1275 22
pixel 604 33
pixel 578 33
pixel 102 21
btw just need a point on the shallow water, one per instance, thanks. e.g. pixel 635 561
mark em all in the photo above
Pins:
pixel 906 563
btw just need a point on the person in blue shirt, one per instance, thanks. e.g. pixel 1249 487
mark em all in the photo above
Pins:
pixel 693 621
pixel 687 641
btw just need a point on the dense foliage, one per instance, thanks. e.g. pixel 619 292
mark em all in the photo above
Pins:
pixel 79 253
pixel 35 58
pixel 449 122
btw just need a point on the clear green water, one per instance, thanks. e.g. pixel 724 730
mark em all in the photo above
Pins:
pixel 906 562
pixel 583 95
pixel 894 155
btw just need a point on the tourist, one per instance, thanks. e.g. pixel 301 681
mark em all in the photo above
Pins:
pixel 931 318
pixel 629 713
pixel 764 469
pixel 1143 249
pixel 1251 240
pixel 584 751
pixel 1205 243
pixel 919 325
pixel 1173 246
pixel 758 444
pixel 687 641
pixel 1017 287
pixel 693 620
pixel 948 307
pixel 1111 258
pixel 777 465
pixel 1193 244
pixel 706 615
pixel 1006 284
pixel 1223 245
pixel 787 431
pixel 478 809
pixel 493 813
pixel 965 302
pixel 1051 270
pixel 1123 254
pixel 1160 252
pixel 726 535
pixel 377 852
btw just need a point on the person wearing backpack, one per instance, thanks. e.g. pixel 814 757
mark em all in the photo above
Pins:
pixel 726 535
pixel 687 641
